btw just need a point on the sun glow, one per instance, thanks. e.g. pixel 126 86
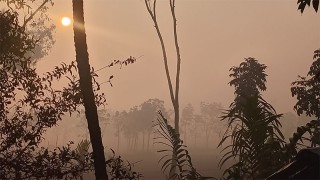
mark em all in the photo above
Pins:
pixel 65 21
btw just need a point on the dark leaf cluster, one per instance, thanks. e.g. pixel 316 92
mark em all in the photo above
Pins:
pixel 307 90
pixel 299 139
pixel 120 169
pixel 25 119
pixel 303 3
pixel 14 42
pixel 42 163
pixel 248 79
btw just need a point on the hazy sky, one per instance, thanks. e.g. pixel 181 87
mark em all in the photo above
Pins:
pixel 214 35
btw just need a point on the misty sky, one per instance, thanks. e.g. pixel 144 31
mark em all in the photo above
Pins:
pixel 214 35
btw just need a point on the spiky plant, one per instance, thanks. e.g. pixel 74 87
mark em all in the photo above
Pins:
pixel 82 150
pixel 255 139
pixel 167 136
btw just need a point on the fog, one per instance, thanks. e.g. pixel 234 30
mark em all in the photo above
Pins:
pixel 213 35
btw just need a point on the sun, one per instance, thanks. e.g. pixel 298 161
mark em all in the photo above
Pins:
pixel 65 21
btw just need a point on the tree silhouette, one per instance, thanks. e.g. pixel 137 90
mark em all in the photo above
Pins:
pixel 197 128
pixel 307 92
pixel 253 126
pixel 36 22
pixel 174 95
pixel 15 42
pixel 139 120
pixel 132 127
pixel 248 79
pixel 187 119
pixel 148 112
pixel 29 105
pixel 82 58
pixel 104 118
pixel 210 113
pixel 118 118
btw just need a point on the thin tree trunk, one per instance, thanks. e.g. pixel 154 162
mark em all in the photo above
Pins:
pixel 148 146
pixel 207 138
pixel 128 142
pixel 173 95
pixel 185 134
pixel 132 142
pixel 34 13
pixel 195 136
pixel 142 140
pixel 82 58
pixel 118 140
pixel 176 116
pixel 195 140
pixel 175 35
pixel 135 142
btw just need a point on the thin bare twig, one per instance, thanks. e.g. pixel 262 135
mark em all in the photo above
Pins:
pixel 34 13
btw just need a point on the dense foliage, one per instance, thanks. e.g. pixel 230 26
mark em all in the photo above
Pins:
pixel 307 92
pixel 14 42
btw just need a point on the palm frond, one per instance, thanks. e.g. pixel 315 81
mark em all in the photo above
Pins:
pixel 177 156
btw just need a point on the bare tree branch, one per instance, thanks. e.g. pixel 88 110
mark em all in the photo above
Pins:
pixel 34 13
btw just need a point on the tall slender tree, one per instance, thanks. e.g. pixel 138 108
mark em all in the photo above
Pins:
pixel 82 58
pixel 174 93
